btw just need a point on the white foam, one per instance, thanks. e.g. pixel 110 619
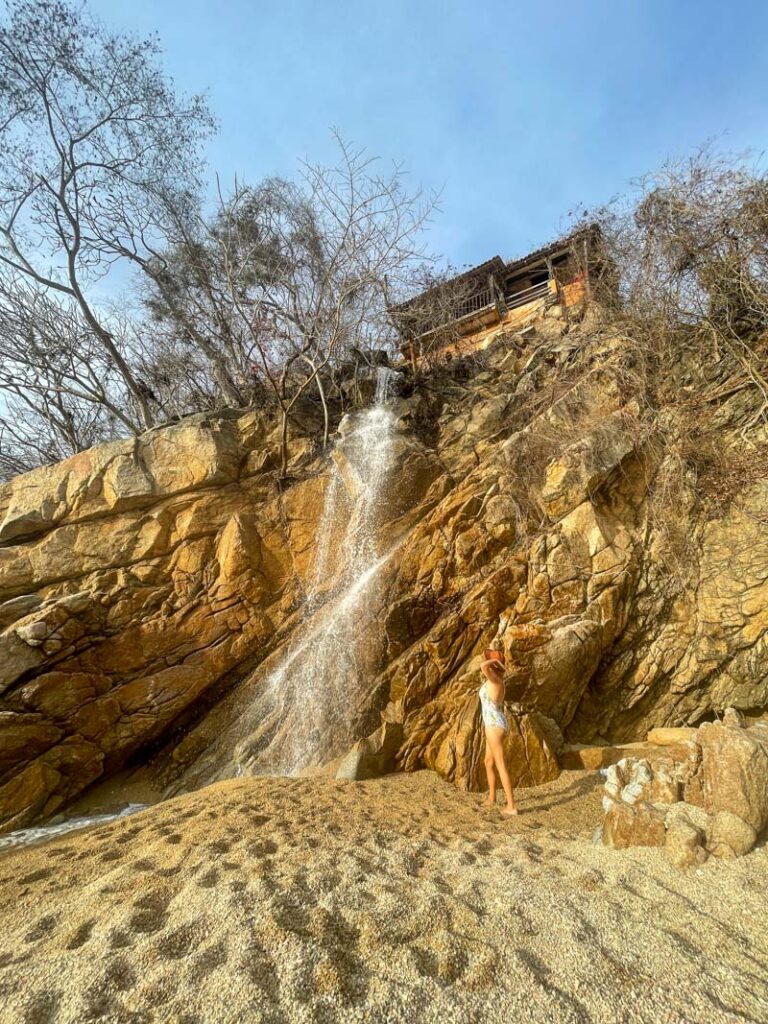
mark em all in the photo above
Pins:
pixel 26 836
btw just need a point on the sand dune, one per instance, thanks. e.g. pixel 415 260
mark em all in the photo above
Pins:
pixel 312 900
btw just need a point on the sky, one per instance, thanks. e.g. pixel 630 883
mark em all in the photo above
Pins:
pixel 518 113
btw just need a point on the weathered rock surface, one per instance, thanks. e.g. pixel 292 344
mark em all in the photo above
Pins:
pixel 373 756
pixel 734 772
pixel 639 824
pixel 149 588
pixel 724 781
pixel 578 757
pixel 684 843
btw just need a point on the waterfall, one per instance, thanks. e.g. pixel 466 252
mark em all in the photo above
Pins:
pixel 315 690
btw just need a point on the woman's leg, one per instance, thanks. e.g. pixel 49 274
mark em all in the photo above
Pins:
pixel 490 773
pixel 495 740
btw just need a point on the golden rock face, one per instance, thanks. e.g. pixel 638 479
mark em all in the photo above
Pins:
pixel 149 589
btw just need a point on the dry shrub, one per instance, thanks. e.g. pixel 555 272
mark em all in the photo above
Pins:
pixel 690 253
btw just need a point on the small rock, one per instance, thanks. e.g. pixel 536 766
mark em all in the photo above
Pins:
pixel 374 755
pixel 35 630
pixel 695 815
pixel 76 603
pixel 17 608
pixel 684 843
pixel 729 835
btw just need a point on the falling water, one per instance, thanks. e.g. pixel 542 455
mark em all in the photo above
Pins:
pixel 316 688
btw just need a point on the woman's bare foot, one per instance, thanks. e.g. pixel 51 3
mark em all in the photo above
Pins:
pixel 488 802
pixel 510 810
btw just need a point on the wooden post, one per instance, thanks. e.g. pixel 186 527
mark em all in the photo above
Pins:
pixel 552 277
pixel 587 283
pixel 498 297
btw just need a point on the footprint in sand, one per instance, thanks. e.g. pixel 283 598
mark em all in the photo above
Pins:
pixel 37 876
pixel 144 864
pixel 127 836
pixel 150 913
pixel 42 928
pixel 263 848
pixel 80 936
pixel 208 960
pixel 41 1006
pixel 110 855
pixel 209 879
pixel 119 940
pixel 167 872
pixel 119 974
pixel 179 943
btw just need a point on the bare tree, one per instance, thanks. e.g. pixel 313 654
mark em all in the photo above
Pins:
pixel 429 324
pixel 289 277
pixel 58 392
pixel 93 140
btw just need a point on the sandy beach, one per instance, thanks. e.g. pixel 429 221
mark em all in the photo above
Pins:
pixel 399 899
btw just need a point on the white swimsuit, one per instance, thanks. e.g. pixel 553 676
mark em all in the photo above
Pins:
pixel 492 713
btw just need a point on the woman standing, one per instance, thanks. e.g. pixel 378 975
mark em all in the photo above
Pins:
pixel 496 727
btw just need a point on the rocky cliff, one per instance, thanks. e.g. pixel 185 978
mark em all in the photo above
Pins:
pixel 151 590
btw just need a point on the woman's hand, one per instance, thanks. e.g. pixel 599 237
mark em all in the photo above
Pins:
pixel 492 671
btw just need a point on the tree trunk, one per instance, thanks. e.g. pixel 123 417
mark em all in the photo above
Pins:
pixel 284 446
pixel 321 390
pixel 106 340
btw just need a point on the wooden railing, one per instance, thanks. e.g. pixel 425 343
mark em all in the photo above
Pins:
pixel 486 299
pixel 474 302
pixel 532 294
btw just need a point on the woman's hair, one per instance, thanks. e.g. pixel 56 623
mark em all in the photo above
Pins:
pixel 498 655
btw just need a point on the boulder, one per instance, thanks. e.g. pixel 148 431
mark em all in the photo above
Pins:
pixel 578 756
pixel 734 772
pixel 373 756
pixel 684 843
pixel 639 824
pixel 725 783
pixel 668 737
pixel 728 835
pixel 457 751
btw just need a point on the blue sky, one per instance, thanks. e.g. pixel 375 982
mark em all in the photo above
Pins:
pixel 519 112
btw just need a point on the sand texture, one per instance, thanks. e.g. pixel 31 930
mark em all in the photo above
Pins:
pixel 393 900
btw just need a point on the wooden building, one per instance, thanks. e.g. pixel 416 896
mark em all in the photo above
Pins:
pixel 469 310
